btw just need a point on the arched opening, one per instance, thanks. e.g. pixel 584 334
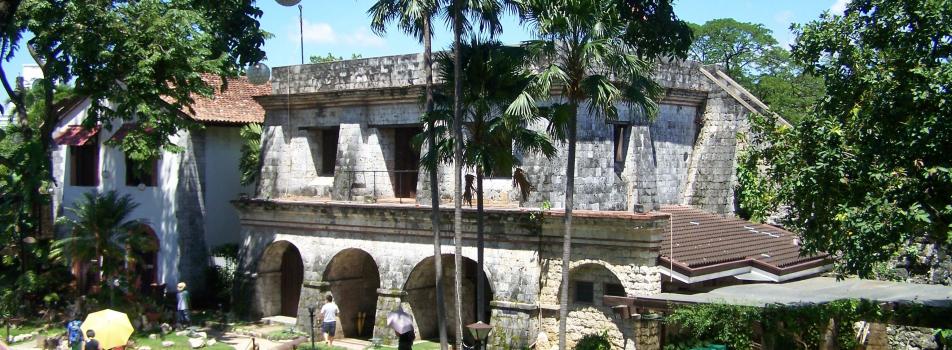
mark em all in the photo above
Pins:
pixel 421 294
pixel 147 254
pixel 588 284
pixel 280 275
pixel 353 278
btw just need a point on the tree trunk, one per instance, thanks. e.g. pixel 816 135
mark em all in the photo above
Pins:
pixel 434 189
pixel 480 245
pixel 567 239
pixel 458 168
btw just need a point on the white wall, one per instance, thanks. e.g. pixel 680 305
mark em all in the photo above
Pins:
pixel 157 205
pixel 222 185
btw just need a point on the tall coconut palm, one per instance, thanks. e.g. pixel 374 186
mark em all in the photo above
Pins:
pixel 102 231
pixel 415 18
pixel 462 14
pixel 580 50
pixel 493 75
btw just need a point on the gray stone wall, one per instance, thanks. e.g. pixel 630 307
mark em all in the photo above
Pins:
pixel 685 156
pixel 190 213
pixel 523 254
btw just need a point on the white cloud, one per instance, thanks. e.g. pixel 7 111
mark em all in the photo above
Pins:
pixel 363 37
pixel 839 7
pixel 324 33
pixel 321 33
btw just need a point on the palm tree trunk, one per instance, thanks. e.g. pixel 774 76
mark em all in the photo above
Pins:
pixel 480 245
pixel 434 189
pixel 567 240
pixel 458 168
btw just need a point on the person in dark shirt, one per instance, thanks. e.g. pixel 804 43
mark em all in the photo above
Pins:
pixel 91 342
pixel 405 340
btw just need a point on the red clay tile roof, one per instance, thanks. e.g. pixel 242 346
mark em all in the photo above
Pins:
pixel 232 106
pixel 707 243
pixel 75 135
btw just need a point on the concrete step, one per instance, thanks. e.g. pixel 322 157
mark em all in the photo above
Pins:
pixel 279 320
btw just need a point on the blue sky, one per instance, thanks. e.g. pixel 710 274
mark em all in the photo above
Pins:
pixel 342 27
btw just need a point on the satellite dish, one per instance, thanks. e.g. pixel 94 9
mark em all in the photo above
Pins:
pixel 288 2
pixel 258 73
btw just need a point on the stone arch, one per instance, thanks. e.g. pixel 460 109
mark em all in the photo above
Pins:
pixel 421 295
pixel 280 276
pixel 147 271
pixel 353 278
pixel 589 282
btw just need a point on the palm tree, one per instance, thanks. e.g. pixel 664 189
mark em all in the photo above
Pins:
pixel 101 231
pixel 580 50
pixel 493 75
pixel 415 17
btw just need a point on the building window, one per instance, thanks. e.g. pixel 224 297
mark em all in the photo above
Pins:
pixel 619 143
pixel 141 172
pixel 584 292
pixel 502 169
pixel 615 290
pixel 84 161
pixel 329 151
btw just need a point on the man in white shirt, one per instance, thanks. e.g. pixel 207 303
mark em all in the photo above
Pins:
pixel 329 313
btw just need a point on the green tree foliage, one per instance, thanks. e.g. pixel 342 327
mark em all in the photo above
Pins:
pixel 594 341
pixel 739 46
pixel 250 164
pixel 870 169
pixel 139 59
pixel 582 48
pixel 752 57
pixel 25 261
pixel 101 230
pixel 331 58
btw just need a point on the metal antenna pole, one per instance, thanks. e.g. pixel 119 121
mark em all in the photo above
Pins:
pixel 301 22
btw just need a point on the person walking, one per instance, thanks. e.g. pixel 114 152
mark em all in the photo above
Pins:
pixel 329 313
pixel 91 342
pixel 181 306
pixel 74 334
pixel 405 340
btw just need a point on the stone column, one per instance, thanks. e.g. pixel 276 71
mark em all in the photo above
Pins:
pixel 312 293
pixel 389 300
pixel 647 335
pixel 513 324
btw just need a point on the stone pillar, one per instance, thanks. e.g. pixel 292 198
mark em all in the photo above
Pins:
pixel 513 324
pixel 647 335
pixel 389 300
pixel 312 293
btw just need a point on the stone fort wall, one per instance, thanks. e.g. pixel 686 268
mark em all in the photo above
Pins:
pixel 685 155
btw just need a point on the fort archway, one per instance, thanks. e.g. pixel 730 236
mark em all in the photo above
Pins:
pixel 353 279
pixel 421 294
pixel 280 275
pixel 588 284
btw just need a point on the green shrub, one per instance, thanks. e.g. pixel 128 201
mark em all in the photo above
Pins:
pixel 594 341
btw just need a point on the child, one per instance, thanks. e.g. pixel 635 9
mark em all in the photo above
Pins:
pixel 181 306
pixel 91 342
pixel 74 334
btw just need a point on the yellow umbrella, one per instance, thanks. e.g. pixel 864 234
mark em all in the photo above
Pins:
pixel 112 328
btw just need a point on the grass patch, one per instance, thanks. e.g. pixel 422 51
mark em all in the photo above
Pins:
pixel 320 347
pixel 283 334
pixel 422 345
pixel 181 342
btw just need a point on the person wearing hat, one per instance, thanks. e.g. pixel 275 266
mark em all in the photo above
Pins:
pixel 181 306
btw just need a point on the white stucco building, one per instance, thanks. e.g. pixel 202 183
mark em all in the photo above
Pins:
pixel 185 197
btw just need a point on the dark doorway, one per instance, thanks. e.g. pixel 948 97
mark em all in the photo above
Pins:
pixel 148 260
pixel 354 280
pixel 292 276
pixel 406 162
pixel 421 294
